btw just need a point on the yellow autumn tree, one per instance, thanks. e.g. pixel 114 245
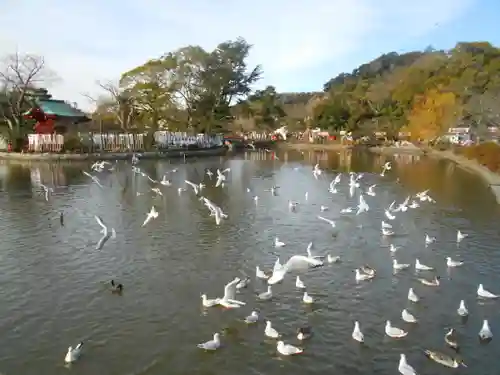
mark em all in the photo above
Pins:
pixel 432 114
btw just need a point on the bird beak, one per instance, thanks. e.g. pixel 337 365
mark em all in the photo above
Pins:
pixel 463 364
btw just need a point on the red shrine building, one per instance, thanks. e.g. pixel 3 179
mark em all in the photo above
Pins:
pixel 54 116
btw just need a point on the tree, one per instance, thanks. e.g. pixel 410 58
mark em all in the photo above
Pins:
pixel 482 112
pixel 225 78
pixel 20 77
pixel 191 88
pixel 266 109
pixel 116 105
pixel 432 114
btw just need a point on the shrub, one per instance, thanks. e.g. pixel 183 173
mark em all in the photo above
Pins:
pixel 73 144
pixel 487 154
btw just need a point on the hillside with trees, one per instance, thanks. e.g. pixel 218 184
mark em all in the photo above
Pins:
pixel 423 93
pixel 199 90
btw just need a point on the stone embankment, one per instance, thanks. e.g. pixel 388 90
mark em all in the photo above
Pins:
pixel 16 156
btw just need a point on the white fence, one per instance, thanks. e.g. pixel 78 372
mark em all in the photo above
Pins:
pixel 116 142
pixel 45 142
pixel 166 139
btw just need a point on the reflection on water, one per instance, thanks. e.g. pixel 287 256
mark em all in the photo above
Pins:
pixel 54 283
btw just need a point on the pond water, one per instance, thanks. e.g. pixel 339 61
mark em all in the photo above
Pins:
pixel 54 283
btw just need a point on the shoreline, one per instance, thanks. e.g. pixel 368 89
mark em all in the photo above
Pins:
pixel 492 179
pixel 312 146
pixel 392 150
pixel 17 156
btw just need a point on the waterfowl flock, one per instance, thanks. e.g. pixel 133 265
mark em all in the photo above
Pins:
pixel 286 272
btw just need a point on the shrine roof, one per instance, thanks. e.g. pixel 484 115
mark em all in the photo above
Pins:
pixel 59 108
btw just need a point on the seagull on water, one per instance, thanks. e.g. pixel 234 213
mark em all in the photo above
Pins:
pixel 433 282
pixel 407 317
pixel 399 266
pixel 357 334
pixel 213 344
pixel 287 349
pixel 278 243
pixel 299 283
pixel 404 368
pixel 394 332
pixel 306 298
pixel 252 318
pixel 267 295
pixel 73 353
pixel 453 263
pixel 412 296
pixel 209 302
pixel 393 248
pixel 422 267
pixel 429 240
pixel 485 332
pixel 481 292
pixel 462 309
pixel 362 276
pixel 269 331
pixel 461 236
pixel 304 333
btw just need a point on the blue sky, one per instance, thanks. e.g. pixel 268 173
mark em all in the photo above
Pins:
pixel 301 44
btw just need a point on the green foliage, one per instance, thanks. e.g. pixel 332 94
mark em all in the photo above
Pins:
pixel 421 92
pixel 191 88
pixel 73 144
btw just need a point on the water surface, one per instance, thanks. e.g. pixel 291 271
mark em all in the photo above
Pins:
pixel 54 282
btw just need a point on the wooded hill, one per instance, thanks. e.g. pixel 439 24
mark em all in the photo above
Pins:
pixel 422 92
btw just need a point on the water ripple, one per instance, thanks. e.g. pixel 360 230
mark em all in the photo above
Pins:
pixel 54 283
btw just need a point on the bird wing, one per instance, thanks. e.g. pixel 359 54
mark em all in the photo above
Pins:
pixel 230 289
pixel 300 262
pixel 326 220
pixel 101 223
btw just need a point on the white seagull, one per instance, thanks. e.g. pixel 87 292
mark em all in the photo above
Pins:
pixel 213 344
pixel 73 353
pixel 394 332
pixel 404 368
pixel 287 349
pixel 331 222
pixel 462 309
pixel 481 292
pixel 153 214
pixel 357 334
pixel 461 236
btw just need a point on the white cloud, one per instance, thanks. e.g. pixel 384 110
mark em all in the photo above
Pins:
pixel 97 40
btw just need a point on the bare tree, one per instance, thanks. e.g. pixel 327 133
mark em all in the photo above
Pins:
pixel 19 75
pixel 482 110
pixel 121 104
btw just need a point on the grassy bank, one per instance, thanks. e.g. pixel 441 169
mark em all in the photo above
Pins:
pixel 482 159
